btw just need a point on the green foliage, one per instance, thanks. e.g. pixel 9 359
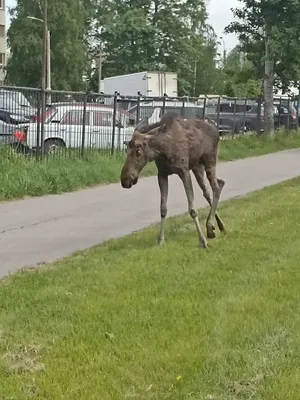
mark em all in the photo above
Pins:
pixel 158 35
pixel 275 21
pixel 241 78
pixel 68 23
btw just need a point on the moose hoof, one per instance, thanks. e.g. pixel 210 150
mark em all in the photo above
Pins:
pixel 203 245
pixel 221 227
pixel 211 234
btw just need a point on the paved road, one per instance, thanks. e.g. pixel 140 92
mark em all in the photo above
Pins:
pixel 44 229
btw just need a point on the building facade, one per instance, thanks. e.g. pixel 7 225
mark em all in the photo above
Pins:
pixel 2 40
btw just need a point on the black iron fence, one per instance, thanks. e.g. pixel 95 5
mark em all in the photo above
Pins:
pixel 41 123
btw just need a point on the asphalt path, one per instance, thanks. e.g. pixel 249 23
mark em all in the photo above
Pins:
pixel 43 229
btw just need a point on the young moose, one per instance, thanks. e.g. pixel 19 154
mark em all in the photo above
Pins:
pixel 177 146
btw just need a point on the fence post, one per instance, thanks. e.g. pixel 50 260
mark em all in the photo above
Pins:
pixel 204 107
pixel 43 91
pixel 258 117
pixel 183 108
pixel 244 119
pixel 218 112
pixel 83 124
pixel 279 113
pixel 234 118
pixel 297 111
pixel 164 104
pixel 38 125
pixel 138 107
pixel 289 116
pixel 114 123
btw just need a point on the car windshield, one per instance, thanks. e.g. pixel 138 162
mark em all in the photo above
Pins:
pixel 17 97
pixel 7 103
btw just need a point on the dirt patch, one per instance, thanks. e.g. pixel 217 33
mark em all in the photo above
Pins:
pixel 24 359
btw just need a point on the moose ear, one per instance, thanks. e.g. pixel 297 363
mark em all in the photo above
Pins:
pixel 156 130
pixel 142 125
pixel 126 142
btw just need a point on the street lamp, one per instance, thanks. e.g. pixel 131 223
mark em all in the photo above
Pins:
pixel 48 56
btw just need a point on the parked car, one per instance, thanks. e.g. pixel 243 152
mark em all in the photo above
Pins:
pixel 285 114
pixel 63 127
pixel 186 109
pixel 13 135
pixel 235 116
pixel 16 103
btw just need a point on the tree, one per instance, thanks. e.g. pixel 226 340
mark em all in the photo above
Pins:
pixel 68 21
pixel 159 35
pixel 269 31
pixel 241 76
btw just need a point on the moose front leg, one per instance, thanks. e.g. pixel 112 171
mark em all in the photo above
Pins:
pixel 217 186
pixel 164 187
pixel 188 186
pixel 199 173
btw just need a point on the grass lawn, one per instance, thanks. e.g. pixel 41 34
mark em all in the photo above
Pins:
pixel 20 177
pixel 131 320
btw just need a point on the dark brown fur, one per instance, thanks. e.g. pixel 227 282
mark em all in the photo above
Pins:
pixel 177 146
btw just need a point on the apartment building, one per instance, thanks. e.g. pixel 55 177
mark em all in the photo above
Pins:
pixel 2 39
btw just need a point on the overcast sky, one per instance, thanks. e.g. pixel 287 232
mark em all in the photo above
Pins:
pixel 219 16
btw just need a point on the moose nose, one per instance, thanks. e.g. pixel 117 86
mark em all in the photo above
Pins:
pixel 126 183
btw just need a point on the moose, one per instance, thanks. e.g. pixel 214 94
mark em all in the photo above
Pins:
pixel 178 146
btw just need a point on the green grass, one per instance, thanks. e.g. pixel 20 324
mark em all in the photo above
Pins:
pixel 131 320
pixel 21 177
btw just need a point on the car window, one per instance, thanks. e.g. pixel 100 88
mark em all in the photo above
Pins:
pixel 225 107
pixel 75 117
pixel 4 116
pixel 211 109
pixel 7 102
pixel 146 112
pixel 18 97
pixel 193 112
pixel 240 108
pixel 102 118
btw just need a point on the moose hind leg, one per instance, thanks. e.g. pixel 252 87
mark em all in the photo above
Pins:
pixel 199 173
pixel 164 187
pixel 188 186
pixel 217 186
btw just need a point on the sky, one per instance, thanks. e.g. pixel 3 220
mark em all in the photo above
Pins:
pixel 219 16
pixel 219 13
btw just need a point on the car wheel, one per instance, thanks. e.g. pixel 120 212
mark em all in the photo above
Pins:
pixel 54 146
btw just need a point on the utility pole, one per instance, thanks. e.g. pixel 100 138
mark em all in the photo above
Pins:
pixel 48 61
pixel 48 66
pixel 44 69
pixel 100 70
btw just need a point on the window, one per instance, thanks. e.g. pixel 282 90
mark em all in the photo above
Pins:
pixel 191 112
pixel 7 103
pixel 2 58
pixel 2 4
pixel 2 30
pixel 102 118
pixel 211 109
pixel 226 108
pixel 75 117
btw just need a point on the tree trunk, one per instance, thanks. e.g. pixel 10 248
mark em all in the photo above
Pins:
pixel 268 92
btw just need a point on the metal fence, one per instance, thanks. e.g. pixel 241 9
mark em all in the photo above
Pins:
pixel 61 123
